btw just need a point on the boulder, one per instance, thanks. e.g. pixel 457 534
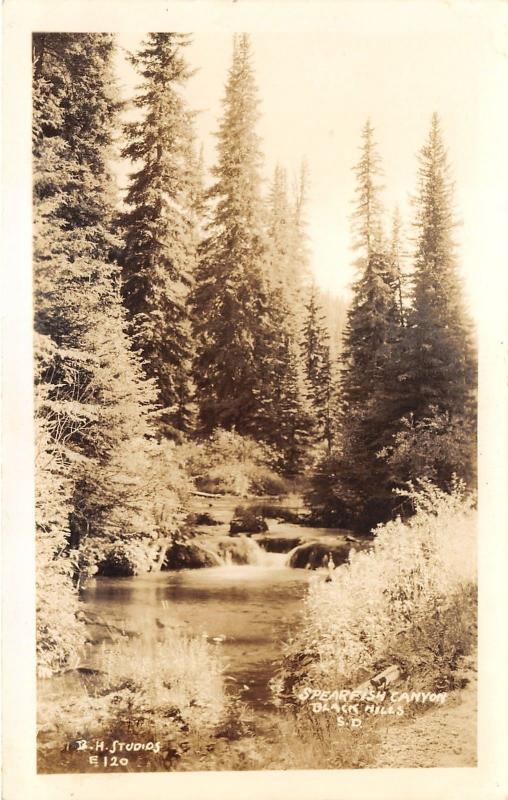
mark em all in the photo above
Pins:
pixel 189 556
pixel 116 564
pixel 278 544
pixel 247 523
pixel 204 518
pixel 316 554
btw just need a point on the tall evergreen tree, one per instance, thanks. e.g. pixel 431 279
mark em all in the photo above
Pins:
pixel 291 419
pixel 318 370
pixel 443 358
pixel 280 235
pixel 161 226
pixel 367 217
pixel 396 257
pixel 291 413
pixel 369 360
pixel 97 477
pixel 372 313
pixel 440 361
pixel 231 300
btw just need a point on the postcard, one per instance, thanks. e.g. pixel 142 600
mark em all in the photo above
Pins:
pixel 254 400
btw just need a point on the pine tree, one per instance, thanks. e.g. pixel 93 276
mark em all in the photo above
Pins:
pixel 302 269
pixel 318 370
pixel 280 235
pixel 197 194
pixel 373 319
pixel 291 413
pixel 396 257
pixel 98 484
pixel 231 300
pixel 369 360
pixel 161 227
pixel 368 212
pixel 372 313
pixel 440 362
pixel 291 419
pixel 444 361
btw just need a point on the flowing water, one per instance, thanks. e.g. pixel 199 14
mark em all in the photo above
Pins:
pixel 247 611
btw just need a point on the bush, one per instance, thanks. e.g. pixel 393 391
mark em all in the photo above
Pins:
pixel 227 463
pixel 265 481
pixel 401 595
pixel 148 690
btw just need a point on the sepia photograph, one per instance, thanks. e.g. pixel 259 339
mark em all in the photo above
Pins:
pixel 256 311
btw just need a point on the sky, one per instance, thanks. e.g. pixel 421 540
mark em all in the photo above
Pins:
pixel 316 90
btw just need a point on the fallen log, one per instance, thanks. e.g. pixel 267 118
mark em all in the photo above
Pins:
pixel 382 679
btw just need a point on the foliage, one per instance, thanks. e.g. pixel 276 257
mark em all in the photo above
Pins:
pixel 59 633
pixel 228 463
pixel 407 383
pixel 440 362
pixel 406 588
pixel 318 371
pixel 231 300
pixel 140 695
pixel 369 362
pixel 435 447
pixel 287 270
pixel 158 259
pixel 368 210
pixel 102 477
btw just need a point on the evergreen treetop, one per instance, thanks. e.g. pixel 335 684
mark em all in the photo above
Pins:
pixel 231 300
pixel 161 228
pixel 367 222
pixel 442 355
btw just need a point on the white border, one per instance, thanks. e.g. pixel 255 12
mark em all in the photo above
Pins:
pixel 20 18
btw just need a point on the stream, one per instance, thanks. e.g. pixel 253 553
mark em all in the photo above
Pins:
pixel 247 611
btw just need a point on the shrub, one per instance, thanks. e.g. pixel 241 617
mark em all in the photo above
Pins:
pixel 227 463
pixel 265 481
pixel 146 690
pixel 406 589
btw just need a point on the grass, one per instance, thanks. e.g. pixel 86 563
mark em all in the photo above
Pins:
pixel 410 601
pixel 147 690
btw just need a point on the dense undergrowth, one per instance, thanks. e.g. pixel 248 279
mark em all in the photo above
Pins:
pixel 228 463
pixel 141 692
pixel 409 601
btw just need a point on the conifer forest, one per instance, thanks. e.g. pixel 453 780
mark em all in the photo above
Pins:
pixel 204 407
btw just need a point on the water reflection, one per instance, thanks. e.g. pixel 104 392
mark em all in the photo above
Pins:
pixel 246 611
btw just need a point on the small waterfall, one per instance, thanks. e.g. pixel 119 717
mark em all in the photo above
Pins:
pixel 243 550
